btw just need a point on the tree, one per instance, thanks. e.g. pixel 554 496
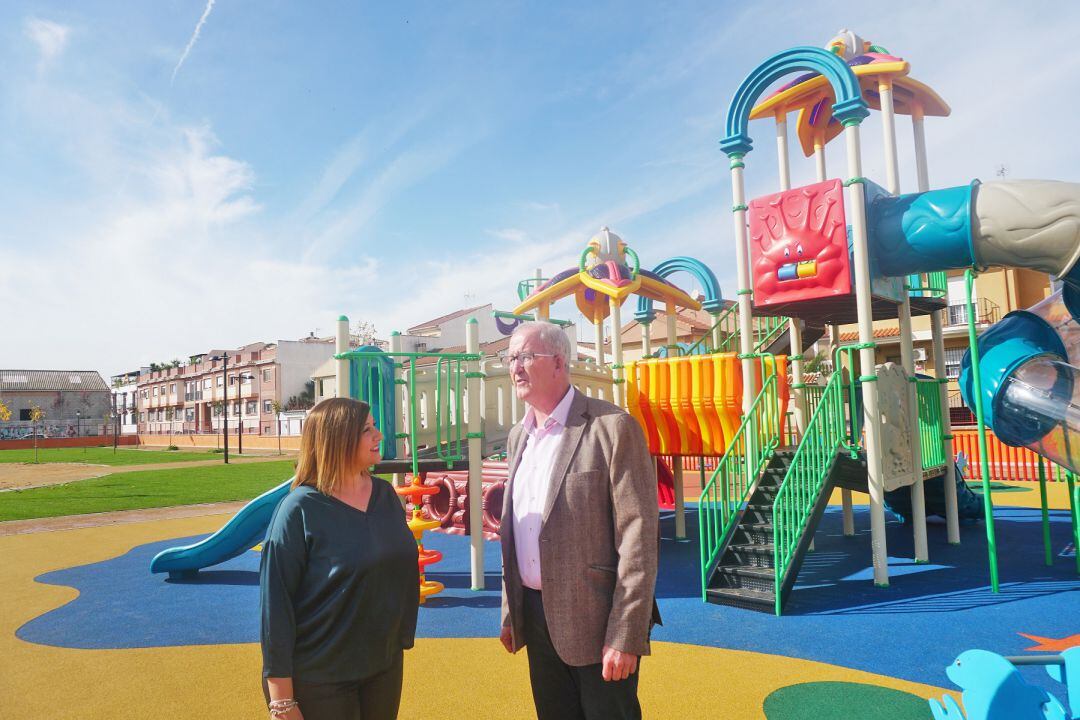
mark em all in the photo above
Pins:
pixel 5 414
pixel 305 400
pixel 276 407
pixel 365 332
pixel 37 415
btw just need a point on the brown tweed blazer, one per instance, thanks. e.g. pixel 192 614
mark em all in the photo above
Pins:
pixel 599 537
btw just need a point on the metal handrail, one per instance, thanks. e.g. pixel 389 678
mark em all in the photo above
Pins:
pixel 731 483
pixel 794 503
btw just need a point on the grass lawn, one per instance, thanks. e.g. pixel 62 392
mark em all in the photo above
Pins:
pixel 145 489
pixel 104 456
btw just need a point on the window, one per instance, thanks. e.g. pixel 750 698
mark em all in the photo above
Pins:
pixel 217 411
pixel 145 394
pixel 268 406
pixel 189 415
pixel 172 388
pixel 251 408
pixel 953 358
pixel 155 391
pixel 24 415
pixel 268 375
pixel 207 384
pixel 220 380
pixel 236 409
pixel 232 379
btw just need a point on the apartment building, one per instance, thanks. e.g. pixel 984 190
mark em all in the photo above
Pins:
pixel 125 410
pixel 254 379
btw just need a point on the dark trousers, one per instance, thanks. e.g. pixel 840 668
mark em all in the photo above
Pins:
pixel 373 698
pixel 568 692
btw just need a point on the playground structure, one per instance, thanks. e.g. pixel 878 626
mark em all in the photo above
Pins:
pixel 850 251
pixel 834 251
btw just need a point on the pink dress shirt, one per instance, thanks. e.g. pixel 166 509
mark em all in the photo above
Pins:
pixel 530 486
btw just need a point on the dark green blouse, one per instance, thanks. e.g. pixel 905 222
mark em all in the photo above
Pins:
pixel 339 588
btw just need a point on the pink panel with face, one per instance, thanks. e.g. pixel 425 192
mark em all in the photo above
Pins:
pixel 798 244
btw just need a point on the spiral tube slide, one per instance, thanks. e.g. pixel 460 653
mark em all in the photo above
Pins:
pixel 242 532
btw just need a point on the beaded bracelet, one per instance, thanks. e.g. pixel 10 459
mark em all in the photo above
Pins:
pixel 279 708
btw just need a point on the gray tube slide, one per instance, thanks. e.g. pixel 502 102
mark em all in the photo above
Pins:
pixel 1031 224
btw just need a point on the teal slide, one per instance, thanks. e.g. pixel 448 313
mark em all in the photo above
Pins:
pixel 244 531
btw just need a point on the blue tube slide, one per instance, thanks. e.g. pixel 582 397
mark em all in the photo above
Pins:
pixel 244 531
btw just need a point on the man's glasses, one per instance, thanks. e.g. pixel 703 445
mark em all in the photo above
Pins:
pixel 525 358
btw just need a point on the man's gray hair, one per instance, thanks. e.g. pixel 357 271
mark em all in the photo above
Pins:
pixel 551 337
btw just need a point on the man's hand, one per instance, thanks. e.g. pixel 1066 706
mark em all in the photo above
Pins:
pixel 617 664
pixel 507 638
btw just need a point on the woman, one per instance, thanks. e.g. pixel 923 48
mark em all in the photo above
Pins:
pixel 339 581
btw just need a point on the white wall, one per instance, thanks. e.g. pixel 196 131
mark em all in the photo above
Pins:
pixel 297 361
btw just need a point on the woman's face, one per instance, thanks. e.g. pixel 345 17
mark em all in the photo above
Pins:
pixel 367 453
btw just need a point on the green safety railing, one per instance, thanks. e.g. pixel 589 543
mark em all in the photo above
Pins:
pixel 448 405
pixel 726 328
pixel 730 485
pixel 931 428
pixel 812 395
pixel 825 435
pixel 526 287
pixel 933 285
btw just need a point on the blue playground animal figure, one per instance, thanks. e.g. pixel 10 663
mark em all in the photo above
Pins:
pixel 994 690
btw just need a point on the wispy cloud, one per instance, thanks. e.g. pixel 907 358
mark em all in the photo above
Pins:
pixel 193 40
pixel 51 38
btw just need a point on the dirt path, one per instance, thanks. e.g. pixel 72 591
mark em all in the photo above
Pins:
pixel 19 476
pixel 70 522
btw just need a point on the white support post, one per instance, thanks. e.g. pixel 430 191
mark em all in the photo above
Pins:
pixel 342 346
pixel 476 456
pixel 646 338
pixel 797 383
pixel 794 328
pixel 599 325
pixel 715 330
pixel 952 517
pixel 782 149
pixel 400 423
pixel 819 157
pixel 907 351
pixel 867 360
pixel 952 514
pixel 680 497
pixel 617 374
pixel 845 494
pixel 672 329
pixel 742 262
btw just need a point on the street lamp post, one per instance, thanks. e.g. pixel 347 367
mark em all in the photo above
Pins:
pixel 225 403
pixel 78 426
pixel 240 406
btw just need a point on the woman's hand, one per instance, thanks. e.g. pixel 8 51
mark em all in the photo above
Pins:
pixel 292 713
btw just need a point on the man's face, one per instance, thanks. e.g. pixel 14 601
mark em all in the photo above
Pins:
pixel 542 381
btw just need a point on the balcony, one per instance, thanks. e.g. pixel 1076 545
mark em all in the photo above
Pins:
pixel 987 312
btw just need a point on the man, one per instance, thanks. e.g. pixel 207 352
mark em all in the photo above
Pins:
pixel 579 538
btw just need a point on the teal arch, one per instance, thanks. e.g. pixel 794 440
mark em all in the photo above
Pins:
pixel 713 302
pixel 850 108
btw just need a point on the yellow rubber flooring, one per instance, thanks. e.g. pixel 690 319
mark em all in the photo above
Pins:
pixel 458 678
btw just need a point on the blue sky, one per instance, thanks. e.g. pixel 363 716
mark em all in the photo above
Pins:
pixel 167 191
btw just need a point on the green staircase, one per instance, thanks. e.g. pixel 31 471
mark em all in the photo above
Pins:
pixel 758 511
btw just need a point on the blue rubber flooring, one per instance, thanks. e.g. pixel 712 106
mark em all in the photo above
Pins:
pixel 928 615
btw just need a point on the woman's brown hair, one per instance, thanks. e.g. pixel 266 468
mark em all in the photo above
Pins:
pixel 332 433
